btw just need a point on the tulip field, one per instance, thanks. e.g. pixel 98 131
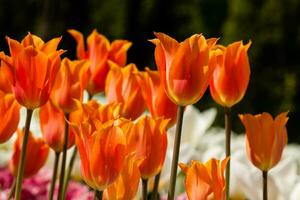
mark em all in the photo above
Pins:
pixel 98 127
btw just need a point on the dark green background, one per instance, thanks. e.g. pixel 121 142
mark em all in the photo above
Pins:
pixel 272 25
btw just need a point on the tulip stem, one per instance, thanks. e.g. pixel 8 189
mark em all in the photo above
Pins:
pixel 176 149
pixel 90 96
pixel 155 187
pixel 64 158
pixel 145 188
pixel 98 195
pixel 265 185
pixel 69 170
pixel 23 154
pixel 12 190
pixel 54 175
pixel 227 112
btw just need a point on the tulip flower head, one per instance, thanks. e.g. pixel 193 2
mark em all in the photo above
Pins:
pixel 155 97
pixel 231 75
pixel 52 122
pixel 102 149
pixel 126 186
pixel 151 145
pixel 265 138
pixel 98 52
pixel 183 67
pixel 9 116
pixel 69 85
pixel 205 181
pixel 122 87
pixel 33 66
pixel 94 110
pixel 35 158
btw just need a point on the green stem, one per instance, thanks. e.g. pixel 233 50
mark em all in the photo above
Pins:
pixel 176 149
pixel 69 170
pixel 64 158
pixel 227 112
pixel 155 187
pixel 23 154
pixel 144 189
pixel 54 175
pixel 265 185
pixel 90 96
pixel 98 195
pixel 12 190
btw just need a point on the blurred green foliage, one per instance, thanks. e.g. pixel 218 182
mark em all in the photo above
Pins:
pixel 273 27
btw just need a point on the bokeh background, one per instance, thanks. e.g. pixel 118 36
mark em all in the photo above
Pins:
pixel 272 25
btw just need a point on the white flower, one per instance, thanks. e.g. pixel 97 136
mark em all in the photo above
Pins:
pixel 195 124
pixel 6 151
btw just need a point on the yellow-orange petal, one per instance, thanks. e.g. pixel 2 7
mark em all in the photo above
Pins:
pixel 9 116
pixel 126 186
pixel 81 54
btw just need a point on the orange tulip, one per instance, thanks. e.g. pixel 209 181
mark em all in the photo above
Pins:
pixel 9 116
pixel 122 87
pixel 126 185
pixel 265 138
pixel 35 158
pixel 102 149
pixel 205 181
pixel 94 110
pixel 155 97
pixel 5 78
pixel 151 145
pixel 231 76
pixel 69 85
pixel 99 51
pixel 52 122
pixel 85 111
pixel 33 65
pixel 183 67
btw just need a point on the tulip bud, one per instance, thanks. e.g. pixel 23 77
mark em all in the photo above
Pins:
pixel 265 138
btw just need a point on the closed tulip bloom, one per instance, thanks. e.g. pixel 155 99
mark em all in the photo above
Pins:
pixel 122 87
pixel 183 67
pixel 35 158
pixel 126 185
pixel 205 181
pixel 9 116
pixel 33 65
pixel 102 149
pixel 151 145
pixel 70 83
pixel 155 97
pixel 265 138
pixel 231 76
pixel 98 52
pixel 52 122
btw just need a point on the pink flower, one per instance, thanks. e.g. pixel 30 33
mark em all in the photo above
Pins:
pixel 37 187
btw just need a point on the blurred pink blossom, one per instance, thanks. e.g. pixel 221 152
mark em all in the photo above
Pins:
pixel 37 187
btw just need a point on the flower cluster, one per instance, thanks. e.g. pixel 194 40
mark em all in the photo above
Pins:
pixel 118 144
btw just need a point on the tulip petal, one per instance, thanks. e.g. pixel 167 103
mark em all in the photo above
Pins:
pixel 81 54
